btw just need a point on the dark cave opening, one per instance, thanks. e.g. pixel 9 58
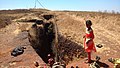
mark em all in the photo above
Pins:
pixel 47 17
pixel 41 37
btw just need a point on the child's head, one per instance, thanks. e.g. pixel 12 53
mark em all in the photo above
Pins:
pixel 88 23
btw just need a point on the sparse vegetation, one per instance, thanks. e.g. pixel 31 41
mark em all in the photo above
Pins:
pixel 5 20
pixel 71 27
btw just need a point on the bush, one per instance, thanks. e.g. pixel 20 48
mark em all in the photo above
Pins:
pixel 5 20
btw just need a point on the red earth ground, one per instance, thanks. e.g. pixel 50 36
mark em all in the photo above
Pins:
pixel 71 26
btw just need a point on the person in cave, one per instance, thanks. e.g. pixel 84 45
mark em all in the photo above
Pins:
pixel 88 40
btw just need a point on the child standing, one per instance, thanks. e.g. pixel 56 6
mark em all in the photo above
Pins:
pixel 88 40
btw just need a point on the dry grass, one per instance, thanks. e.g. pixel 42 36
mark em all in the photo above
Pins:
pixel 5 20
pixel 71 27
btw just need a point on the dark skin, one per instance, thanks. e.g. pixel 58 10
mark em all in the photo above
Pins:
pixel 89 27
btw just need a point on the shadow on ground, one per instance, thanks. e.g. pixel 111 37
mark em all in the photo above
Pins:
pixel 104 65
pixel 70 50
pixel 67 50
pixel 98 64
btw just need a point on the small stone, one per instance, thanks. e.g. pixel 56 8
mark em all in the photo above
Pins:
pixel 107 54
pixel 36 64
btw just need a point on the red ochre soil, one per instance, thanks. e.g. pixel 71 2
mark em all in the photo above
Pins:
pixel 71 27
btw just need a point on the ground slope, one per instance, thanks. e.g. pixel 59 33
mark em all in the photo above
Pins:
pixel 71 27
